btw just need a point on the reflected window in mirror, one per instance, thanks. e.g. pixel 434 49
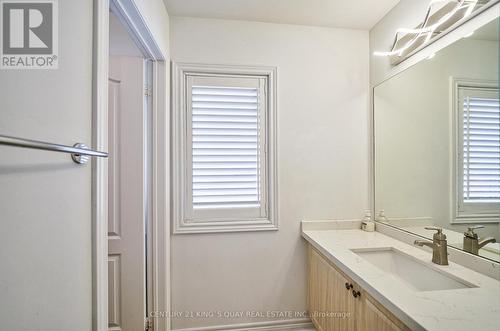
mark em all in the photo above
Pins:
pixel 477 157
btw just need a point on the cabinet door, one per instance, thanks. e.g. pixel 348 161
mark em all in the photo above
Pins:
pixel 331 305
pixel 340 303
pixel 318 278
pixel 372 317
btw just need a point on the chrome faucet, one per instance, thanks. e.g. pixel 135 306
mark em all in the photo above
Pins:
pixel 439 246
pixel 471 240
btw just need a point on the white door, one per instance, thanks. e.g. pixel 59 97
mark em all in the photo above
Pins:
pixel 45 198
pixel 127 194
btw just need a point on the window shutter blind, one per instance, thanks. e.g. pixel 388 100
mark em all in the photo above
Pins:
pixel 226 147
pixel 481 149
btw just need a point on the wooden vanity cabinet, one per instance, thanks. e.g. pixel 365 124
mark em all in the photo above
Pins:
pixel 336 303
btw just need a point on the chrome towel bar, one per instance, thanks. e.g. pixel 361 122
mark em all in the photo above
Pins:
pixel 80 153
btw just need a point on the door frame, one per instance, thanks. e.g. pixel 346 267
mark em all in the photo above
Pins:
pixel 158 241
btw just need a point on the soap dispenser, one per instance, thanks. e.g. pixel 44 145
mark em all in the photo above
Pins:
pixel 367 224
pixel 381 217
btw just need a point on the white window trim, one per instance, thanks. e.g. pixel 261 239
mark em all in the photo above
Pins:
pixel 181 224
pixel 459 217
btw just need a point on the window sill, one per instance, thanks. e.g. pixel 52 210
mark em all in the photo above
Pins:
pixel 476 218
pixel 191 227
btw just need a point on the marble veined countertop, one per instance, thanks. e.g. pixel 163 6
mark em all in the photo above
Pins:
pixel 454 310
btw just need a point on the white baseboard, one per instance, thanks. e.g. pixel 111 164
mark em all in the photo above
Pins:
pixel 302 324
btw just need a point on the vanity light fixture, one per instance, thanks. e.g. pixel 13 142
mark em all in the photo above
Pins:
pixel 427 30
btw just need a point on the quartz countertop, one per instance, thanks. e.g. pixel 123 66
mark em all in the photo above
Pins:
pixel 458 309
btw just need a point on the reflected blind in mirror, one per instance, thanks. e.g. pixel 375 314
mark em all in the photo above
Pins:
pixel 481 146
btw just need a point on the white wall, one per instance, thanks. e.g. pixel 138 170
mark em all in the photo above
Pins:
pixel 322 163
pixel 414 146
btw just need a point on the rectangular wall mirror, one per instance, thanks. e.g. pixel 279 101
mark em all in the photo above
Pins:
pixel 437 145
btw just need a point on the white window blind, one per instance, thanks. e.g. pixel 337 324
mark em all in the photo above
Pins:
pixel 480 129
pixel 227 147
pixel 226 153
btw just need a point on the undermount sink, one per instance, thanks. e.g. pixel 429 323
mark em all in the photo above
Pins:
pixel 414 273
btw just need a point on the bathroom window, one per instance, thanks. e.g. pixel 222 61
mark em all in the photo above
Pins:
pixel 478 151
pixel 224 146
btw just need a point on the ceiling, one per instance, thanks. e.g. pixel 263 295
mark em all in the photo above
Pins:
pixel 354 14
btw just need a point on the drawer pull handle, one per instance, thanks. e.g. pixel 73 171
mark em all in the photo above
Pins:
pixel 356 293
pixel 348 286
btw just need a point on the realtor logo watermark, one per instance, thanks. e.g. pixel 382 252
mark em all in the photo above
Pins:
pixel 29 36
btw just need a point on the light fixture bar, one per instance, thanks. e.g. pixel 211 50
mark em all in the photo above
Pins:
pixel 425 30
